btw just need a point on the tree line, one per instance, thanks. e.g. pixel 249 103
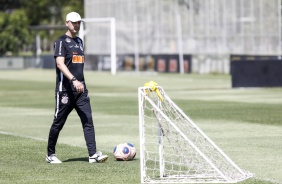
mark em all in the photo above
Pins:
pixel 17 17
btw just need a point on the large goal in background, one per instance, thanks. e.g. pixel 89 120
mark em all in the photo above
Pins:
pixel 112 26
pixel 173 149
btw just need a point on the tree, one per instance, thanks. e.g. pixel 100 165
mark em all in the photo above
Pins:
pixel 14 31
pixel 17 15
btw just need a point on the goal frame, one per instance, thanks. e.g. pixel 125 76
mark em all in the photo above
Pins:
pixel 142 95
pixel 112 22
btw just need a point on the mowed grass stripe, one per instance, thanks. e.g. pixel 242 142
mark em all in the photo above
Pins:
pixel 110 130
pixel 260 95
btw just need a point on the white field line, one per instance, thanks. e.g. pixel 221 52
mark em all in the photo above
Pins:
pixel 44 140
pixel 23 136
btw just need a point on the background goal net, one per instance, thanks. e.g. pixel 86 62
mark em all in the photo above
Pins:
pixel 173 149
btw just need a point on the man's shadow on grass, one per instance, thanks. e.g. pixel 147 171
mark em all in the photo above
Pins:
pixel 82 159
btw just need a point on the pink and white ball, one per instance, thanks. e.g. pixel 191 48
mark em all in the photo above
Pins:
pixel 124 152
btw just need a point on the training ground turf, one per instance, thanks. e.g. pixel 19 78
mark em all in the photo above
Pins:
pixel 246 123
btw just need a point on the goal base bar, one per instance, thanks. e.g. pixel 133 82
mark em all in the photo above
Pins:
pixel 192 179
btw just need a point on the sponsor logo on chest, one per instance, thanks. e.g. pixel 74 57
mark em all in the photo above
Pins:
pixel 77 59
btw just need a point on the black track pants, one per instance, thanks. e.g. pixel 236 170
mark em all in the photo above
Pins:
pixel 65 103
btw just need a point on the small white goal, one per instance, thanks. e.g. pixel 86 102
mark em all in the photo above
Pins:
pixel 173 149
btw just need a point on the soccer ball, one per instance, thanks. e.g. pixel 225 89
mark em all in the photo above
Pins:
pixel 124 152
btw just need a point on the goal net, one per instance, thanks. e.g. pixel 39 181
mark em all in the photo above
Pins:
pixel 173 149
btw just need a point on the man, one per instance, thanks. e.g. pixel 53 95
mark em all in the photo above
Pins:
pixel 71 91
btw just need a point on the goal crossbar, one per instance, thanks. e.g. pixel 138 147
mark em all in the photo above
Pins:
pixel 174 150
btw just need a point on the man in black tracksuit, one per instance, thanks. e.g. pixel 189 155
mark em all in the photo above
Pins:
pixel 71 91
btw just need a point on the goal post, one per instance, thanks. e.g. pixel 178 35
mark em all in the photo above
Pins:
pixel 112 22
pixel 173 149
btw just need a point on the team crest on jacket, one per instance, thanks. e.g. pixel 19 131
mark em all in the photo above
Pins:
pixel 65 99
pixel 68 40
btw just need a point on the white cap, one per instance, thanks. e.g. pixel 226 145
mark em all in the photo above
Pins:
pixel 73 17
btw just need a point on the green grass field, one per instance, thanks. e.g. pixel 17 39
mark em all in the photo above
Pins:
pixel 245 123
